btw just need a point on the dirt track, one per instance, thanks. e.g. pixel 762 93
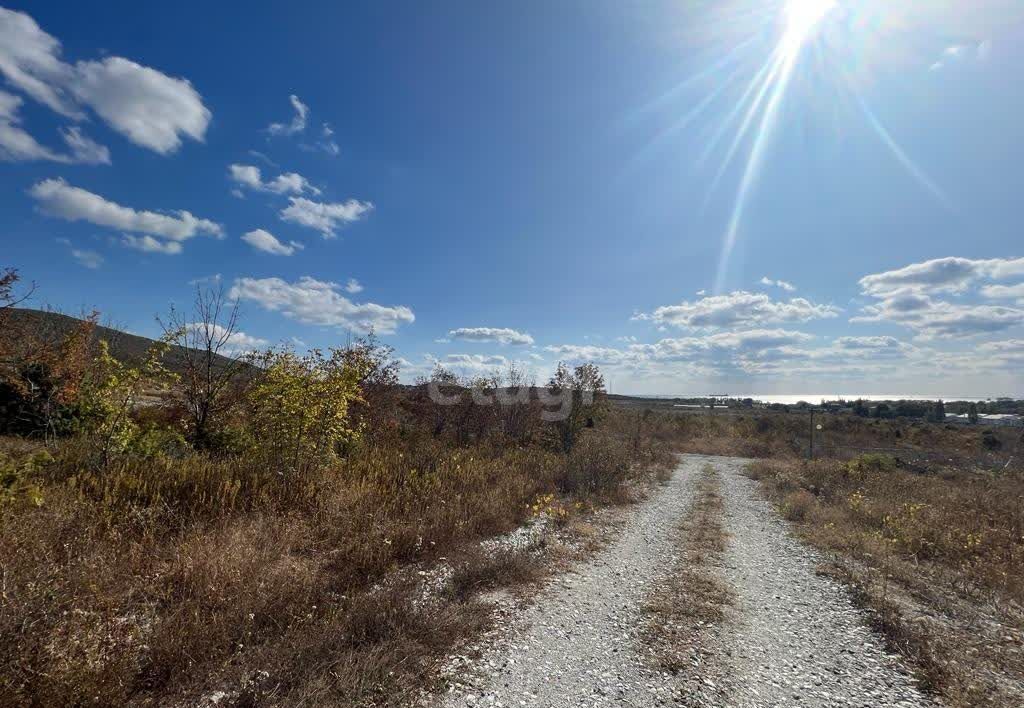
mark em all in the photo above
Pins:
pixel 790 637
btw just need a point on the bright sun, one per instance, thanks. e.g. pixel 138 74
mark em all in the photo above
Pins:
pixel 802 16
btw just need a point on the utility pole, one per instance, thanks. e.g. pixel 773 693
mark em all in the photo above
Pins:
pixel 810 449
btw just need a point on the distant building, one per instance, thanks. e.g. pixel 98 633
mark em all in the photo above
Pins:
pixel 988 419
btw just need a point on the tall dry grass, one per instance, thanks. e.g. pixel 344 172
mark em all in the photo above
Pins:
pixel 166 578
pixel 938 557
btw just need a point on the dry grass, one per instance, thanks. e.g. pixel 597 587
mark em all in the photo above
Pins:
pixel 938 557
pixel 164 579
pixel 692 598
pixel 781 436
pixel 483 571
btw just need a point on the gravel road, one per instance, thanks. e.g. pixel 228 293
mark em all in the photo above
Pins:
pixel 577 645
pixel 792 637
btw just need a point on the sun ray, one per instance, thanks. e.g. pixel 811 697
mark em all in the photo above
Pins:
pixel 902 157
pixel 686 119
pixel 802 17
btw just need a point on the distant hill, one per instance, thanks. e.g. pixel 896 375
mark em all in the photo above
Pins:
pixel 54 326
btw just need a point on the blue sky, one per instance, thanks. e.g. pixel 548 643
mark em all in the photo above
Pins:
pixel 535 181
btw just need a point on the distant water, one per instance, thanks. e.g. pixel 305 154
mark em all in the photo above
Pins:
pixel 818 397
pixel 793 399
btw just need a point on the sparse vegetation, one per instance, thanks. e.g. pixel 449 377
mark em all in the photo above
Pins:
pixel 937 555
pixel 693 597
pixel 145 561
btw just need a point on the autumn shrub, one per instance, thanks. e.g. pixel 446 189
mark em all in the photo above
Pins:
pixel 298 407
pixel 596 465
pixel 797 505
pixel 40 380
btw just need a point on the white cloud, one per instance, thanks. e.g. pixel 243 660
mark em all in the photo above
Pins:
pixel 235 343
pixel 148 244
pixel 738 308
pixel 86 258
pixel 782 284
pixel 316 302
pixel 767 355
pixel 84 150
pixel 907 297
pixel 263 158
pixel 148 107
pixel 721 344
pixel 59 199
pixel 958 53
pixel 207 279
pixel 247 175
pixel 286 183
pixel 472 364
pixel 324 217
pixel 1004 292
pixel 151 109
pixel 499 335
pixel 1006 345
pixel 89 259
pixel 950 274
pixel 710 355
pixel 602 356
pixel 938 319
pixel 327 146
pixel 297 123
pixel 873 344
pixel 17 145
pixel 265 241
pixel 353 286
pixel 30 61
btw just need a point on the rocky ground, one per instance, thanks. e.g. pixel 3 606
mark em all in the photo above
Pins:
pixel 790 636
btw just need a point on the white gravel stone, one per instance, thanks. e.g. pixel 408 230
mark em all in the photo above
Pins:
pixel 792 637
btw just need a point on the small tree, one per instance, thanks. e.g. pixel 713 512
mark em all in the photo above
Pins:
pixel 110 390
pixel 972 413
pixel 938 413
pixel 41 377
pixel 859 409
pixel 299 407
pixel 582 395
pixel 9 278
pixel 517 409
pixel 212 359
pixel 378 409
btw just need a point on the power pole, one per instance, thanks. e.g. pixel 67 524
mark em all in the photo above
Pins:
pixel 810 449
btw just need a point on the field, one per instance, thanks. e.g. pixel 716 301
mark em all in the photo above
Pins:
pixel 277 555
pixel 315 538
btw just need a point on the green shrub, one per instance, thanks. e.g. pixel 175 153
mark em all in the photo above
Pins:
pixel 16 477
pixel 299 407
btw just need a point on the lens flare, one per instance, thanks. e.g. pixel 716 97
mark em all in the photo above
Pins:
pixel 802 18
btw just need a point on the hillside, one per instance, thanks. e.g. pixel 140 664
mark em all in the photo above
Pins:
pixel 53 326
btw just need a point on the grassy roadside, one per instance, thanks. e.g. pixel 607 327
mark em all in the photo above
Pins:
pixel 692 598
pixel 164 581
pixel 937 558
